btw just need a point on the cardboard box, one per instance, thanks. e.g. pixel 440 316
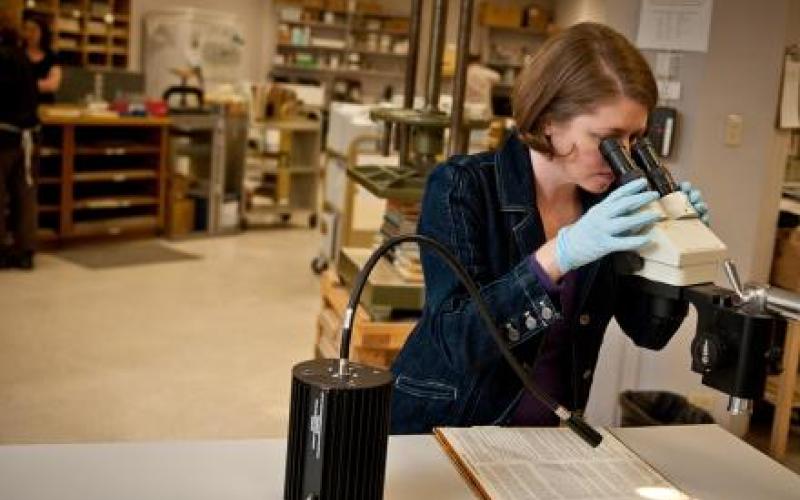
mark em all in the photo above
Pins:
pixel 181 217
pixel 368 7
pixel 314 4
pixel 786 260
pixel 180 186
pixel 398 25
pixel 536 18
pixel 505 16
pixel 336 5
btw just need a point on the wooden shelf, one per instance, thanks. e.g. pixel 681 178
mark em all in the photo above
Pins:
pixel 316 48
pixel 112 202
pixel 97 202
pixel 114 176
pixel 382 32
pixel 315 24
pixel 49 152
pixel 340 72
pixel 518 29
pixel 117 150
pixel 46 235
pixel 116 226
pixel 312 48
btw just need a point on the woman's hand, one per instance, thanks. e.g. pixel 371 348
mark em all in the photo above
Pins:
pixel 697 201
pixel 606 227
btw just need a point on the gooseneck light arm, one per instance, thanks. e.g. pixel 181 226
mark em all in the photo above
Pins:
pixel 573 421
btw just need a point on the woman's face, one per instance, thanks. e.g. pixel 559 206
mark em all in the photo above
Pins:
pixel 576 141
pixel 31 34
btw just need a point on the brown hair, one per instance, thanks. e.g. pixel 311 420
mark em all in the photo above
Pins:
pixel 573 72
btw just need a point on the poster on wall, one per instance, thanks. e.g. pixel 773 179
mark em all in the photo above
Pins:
pixel 675 25
pixel 209 44
pixel 790 91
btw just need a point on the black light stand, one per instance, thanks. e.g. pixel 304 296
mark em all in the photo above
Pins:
pixel 340 410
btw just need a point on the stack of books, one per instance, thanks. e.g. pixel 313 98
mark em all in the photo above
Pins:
pixel 402 218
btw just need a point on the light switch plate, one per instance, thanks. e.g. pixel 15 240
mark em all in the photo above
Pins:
pixel 734 126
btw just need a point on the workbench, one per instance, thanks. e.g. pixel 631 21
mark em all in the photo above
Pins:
pixel 704 461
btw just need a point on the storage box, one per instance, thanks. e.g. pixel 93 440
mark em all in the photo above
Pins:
pixel 180 186
pixel 786 260
pixel 290 13
pixel 336 5
pixel 368 7
pixel 181 220
pixel 536 18
pixel 398 25
pixel 509 16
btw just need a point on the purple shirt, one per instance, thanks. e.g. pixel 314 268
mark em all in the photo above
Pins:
pixel 553 365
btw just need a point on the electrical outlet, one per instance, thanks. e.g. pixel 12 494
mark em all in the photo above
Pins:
pixel 734 125
pixel 704 400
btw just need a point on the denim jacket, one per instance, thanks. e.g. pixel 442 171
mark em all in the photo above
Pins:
pixel 450 371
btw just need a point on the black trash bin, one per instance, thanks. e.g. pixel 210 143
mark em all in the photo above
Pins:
pixel 642 408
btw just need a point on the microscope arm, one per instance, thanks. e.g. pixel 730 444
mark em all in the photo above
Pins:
pixel 738 335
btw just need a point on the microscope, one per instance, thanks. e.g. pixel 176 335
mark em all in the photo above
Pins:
pixel 740 331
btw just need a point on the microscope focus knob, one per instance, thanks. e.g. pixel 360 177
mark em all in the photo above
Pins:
pixel 774 357
pixel 707 352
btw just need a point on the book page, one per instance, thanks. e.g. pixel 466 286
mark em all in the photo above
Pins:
pixel 553 464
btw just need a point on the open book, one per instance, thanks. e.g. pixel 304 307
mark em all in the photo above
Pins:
pixel 550 463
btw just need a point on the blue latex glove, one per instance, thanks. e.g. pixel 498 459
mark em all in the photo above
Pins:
pixel 606 227
pixel 697 201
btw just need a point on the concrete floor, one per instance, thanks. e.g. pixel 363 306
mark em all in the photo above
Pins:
pixel 190 349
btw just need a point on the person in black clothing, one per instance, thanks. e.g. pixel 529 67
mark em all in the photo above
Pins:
pixel 18 121
pixel 38 38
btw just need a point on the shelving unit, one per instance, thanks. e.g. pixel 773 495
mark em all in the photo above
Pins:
pixel 284 180
pixel 328 43
pixel 101 177
pixel 92 33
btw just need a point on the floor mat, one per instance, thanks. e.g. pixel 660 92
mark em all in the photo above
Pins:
pixel 104 256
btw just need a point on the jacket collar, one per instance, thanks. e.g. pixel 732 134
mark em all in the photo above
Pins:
pixel 514 172
pixel 515 179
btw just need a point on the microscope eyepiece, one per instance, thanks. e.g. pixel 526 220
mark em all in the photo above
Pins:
pixel 645 157
pixel 619 160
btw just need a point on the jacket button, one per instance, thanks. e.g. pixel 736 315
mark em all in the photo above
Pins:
pixel 587 374
pixel 547 313
pixel 584 319
pixel 513 334
pixel 530 321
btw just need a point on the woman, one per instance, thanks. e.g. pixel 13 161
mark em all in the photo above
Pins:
pixel 18 121
pixel 533 226
pixel 38 38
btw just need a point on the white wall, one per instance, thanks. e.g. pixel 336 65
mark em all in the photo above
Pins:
pixel 256 17
pixel 739 74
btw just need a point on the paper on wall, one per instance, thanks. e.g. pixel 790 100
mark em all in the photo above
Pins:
pixel 790 94
pixel 675 25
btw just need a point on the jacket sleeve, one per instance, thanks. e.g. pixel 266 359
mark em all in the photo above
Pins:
pixel 649 320
pixel 454 213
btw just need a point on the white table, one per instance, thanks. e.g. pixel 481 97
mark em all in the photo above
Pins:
pixel 704 461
